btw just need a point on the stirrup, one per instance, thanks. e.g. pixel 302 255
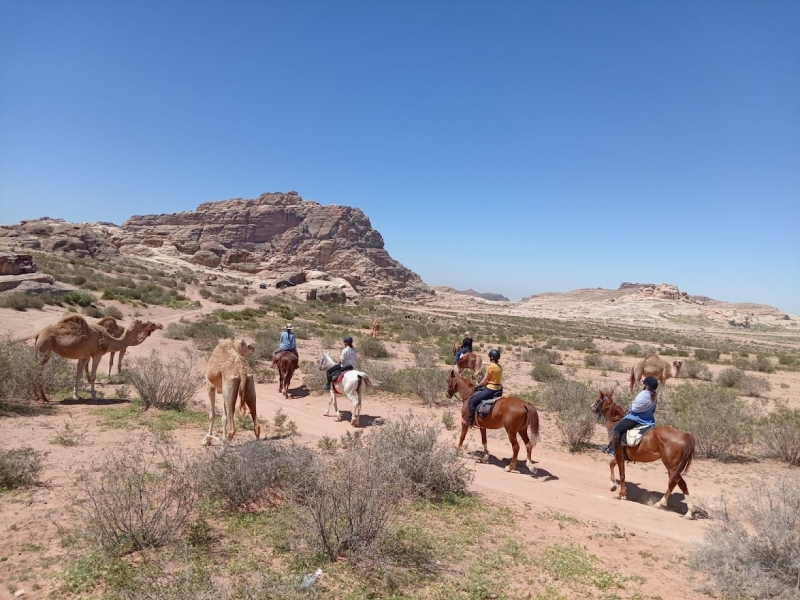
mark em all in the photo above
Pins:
pixel 608 450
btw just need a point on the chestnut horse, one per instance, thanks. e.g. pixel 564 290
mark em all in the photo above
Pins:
pixel 470 360
pixel 509 412
pixel 286 364
pixel 674 447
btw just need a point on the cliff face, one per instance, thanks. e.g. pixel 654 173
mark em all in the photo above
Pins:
pixel 273 236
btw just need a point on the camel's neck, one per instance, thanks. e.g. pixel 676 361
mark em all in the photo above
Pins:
pixel 128 338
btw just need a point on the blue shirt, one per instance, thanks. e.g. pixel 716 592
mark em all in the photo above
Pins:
pixel 643 409
pixel 287 341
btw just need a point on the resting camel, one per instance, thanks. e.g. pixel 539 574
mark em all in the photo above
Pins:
pixel 376 327
pixel 73 337
pixel 111 326
pixel 228 373
pixel 655 367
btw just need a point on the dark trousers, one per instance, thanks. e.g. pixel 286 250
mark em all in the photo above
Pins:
pixel 476 399
pixel 620 428
pixel 334 370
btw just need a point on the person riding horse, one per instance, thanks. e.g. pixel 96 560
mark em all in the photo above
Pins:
pixel 288 343
pixel 641 412
pixel 346 362
pixel 488 387
pixel 466 346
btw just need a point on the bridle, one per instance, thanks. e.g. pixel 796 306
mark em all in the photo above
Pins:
pixel 452 387
pixel 599 408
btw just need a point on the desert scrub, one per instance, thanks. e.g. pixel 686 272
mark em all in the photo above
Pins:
pixel 18 365
pixel 546 372
pixel 21 301
pixel 752 546
pixel 424 356
pixel 631 350
pixel 696 370
pixel 754 386
pixel 779 435
pixel 706 355
pixel 20 467
pixel 730 377
pixel 569 400
pixel 372 348
pixel 165 384
pixel 720 420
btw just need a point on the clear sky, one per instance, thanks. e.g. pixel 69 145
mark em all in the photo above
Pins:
pixel 513 147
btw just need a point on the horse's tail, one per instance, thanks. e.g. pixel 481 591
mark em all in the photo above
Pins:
pixel 532 423
pixel 365 379
pixel 688 454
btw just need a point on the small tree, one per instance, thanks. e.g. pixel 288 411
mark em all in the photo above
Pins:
pixel 779 434
pixel 165 384
pixel 569 399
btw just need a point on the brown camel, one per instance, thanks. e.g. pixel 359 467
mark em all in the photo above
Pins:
pixel 229 374
pixel 376 327
pixel 73 337
pixel 655 367
pixel 111 326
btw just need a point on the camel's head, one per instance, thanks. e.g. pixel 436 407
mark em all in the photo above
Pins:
pixel 243 348
pixel 676 366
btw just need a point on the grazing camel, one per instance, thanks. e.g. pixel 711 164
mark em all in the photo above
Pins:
pixel 376 327
pixel 228 373
pixel 111 326
pixel 73 337
pixel 655 367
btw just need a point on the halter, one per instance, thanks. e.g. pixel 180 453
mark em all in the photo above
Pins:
pixel 452 392
pixel 598 406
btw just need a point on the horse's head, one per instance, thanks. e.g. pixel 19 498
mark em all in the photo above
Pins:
pixel 451 384
pixel 603 402
pixel 325 361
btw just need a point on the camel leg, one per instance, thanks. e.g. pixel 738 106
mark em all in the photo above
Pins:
pixel 37 380
pixel 83 363
pixel 212 413
pixel 512 437
pixel 111 362
pixel 95 364
pixel 250 401
pixel 613 464
pixel 230 391
pixel 485 445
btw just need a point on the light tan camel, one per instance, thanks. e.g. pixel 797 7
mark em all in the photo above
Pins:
pixel 376 327
pixel 228 373
pixel 111 326
pixel 72 337
pixel 655 367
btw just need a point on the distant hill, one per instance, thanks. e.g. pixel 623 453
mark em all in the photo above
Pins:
pixel 473 293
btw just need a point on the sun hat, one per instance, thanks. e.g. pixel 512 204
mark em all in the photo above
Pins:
pixel 288 326
pixel 466 333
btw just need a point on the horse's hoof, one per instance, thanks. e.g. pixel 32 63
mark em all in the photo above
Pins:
pixel 510 470
pixel 613 487
pixel 660 505
pixel 619 497
pixel 689 516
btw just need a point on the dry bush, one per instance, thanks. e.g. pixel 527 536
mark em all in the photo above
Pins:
pixel 177 331
pixel 592 360
pixel 113 312
pixel 753 386
pixel 21 301
pixel 430 385
pixel 779 434
pixel 141 496
pixel 632 350
pixel 424 357
pixel 730 378
pixel 372 348
pixel 164 384
pixel 646 350
pixel 607 363
pixel 92 311
pixel 313 378
pixel 763 364
pixel 18 366
pixel 244 476
pixel 752 546
pixel 546 373
pixel 706 355
pixel 540 356
pixel 433 470
pixel 696 370
pixel 721 422
pixel 569 399
pixel 20 467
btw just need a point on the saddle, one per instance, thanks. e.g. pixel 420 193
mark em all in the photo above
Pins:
pixel 633 437
pixel 338 377
pixel 485 408
pixel 276 357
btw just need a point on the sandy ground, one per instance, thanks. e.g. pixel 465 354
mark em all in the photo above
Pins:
pixel 631 536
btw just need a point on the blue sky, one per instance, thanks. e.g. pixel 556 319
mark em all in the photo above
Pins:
pixel 512 147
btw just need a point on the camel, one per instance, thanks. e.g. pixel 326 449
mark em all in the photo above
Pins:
pixel 654 366
pixel 376 327
pixel 111 326
pixel 73 337
pixel 229 374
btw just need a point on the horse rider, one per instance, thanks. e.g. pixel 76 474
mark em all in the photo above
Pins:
pixel 466 346
pixel 288 343
pixel 641 412
pixel 347 361
pixel 488 386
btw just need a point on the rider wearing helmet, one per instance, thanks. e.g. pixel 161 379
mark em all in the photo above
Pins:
pixel 641 412
pixel 488 386
pixel 466 346
pixel 346 362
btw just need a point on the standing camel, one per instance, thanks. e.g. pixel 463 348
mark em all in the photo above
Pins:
pixel 376 327
pixel 111 326
pixel 228 373
pixel 655 367
pixel 73 337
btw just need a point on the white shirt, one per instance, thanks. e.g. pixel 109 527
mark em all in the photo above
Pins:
pixel 348 357
pixel 642 402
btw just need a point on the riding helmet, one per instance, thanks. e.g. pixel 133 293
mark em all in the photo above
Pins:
pixel 347 339
pixel 651 382
pixel 494 353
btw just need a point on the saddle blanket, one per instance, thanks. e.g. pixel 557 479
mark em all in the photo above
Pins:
pixel 485 408
pixel 634 436
pixel 339 376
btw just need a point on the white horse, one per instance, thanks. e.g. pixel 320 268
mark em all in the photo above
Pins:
pixel 351 385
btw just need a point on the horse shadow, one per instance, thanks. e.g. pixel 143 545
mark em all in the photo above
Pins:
pixel 364 420
pixel 541 474
pixel 299 392
pixel 677 501
pixel 98 402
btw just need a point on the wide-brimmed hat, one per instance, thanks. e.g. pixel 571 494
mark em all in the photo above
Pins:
pixel 288 326
pixel 466 333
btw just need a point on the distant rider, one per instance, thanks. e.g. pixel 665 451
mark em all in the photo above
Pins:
pixel 288 343
pixel 488 386
pixel 466 346
pixel 347 361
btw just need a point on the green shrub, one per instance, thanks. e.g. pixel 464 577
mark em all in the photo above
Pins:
pixel 755 387
pixel 763 364
pixel 696 370
pixel 424 357
pixel 78 297
pixel 752 544
pixel 569 400
pixel 742 363
pixel 592 360
pixel 706 355
pixel 20 467
pixel 779 434
pixel 372 348
pixel 19 367
pixel 177 331
pixel 20 301
pixel 786 360
pixel 631 350
pixel 730 378
pixel 206 334
pixel 113 312
pixel 92 311
pixel 546 373
pixel 165 384
pixel 721 422
pixel 205 294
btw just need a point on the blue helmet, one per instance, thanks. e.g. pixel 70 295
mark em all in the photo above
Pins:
pixel 347 339
pixel 494 353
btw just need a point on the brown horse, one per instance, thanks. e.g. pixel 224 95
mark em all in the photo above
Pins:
pixel 470 360
pixel 286 364
pixel 674 447
pixel 509 412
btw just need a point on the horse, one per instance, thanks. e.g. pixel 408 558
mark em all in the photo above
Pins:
pixel 509 412
pixel 352 385
pixel 674 447
pixel 287 365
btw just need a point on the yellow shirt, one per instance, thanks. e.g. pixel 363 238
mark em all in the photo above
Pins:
pixel 495 373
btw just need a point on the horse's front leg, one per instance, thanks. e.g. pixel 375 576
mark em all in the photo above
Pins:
pixel 512 437
pixel 485 445
pixel 613 464
pixel 621 464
